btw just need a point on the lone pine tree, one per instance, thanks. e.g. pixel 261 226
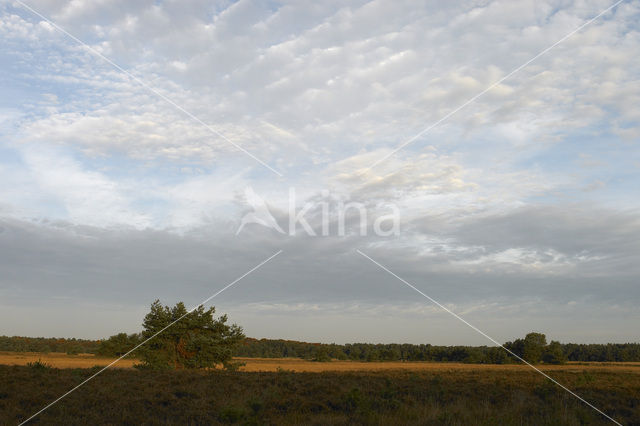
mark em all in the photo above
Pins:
pixel 197 340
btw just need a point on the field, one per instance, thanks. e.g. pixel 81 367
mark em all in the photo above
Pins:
pixel 62 360
pixel 338 392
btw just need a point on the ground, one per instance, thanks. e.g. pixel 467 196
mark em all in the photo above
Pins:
pixel 338 392
pixel 61 360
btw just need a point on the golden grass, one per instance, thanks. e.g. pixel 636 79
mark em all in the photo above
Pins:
pixel 300 365
pixel 61 360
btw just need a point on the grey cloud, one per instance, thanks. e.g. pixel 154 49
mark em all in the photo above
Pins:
pixel 303 86
pixel 62 270
pixel 126 265
pixel 575 231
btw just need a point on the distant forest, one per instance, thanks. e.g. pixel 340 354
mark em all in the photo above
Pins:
pixel 553 352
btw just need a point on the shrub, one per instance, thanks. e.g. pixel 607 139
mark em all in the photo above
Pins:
pixel 39 365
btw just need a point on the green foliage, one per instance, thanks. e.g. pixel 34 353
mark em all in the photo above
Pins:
pixel 267 348
pixel 497 356
pixel 74 350
pixel 118 344
pixel 322 355
pixel 534 344
pixel 47 344
pixel 553 354
pixel 182 339
pixel 533 348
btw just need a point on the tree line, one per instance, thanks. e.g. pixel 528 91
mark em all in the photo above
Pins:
pixel 195 339
pixel 119 344
pixel 48 344
pixel 532 348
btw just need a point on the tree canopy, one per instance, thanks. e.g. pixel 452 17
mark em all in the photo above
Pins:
pixel 189 340
pixel 553 353
pixel 118 344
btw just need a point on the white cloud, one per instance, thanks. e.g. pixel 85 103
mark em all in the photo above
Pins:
pixel 87 197
pixel 490 200
pixel 360 73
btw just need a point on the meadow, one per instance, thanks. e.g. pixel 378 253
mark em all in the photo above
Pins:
pixel 295 391
pixel 63 360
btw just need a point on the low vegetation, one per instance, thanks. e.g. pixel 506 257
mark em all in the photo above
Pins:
pixel 186 375
pixel 480 396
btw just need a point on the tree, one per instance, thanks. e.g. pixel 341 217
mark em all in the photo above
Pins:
pixel 195 340
pixel 497 356
pixel 516 347
pixel 322 354
pixel 118 344
pixel 553 354
pixel 533 349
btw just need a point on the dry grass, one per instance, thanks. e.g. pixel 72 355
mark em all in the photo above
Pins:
pixel 61 360
pixel 300 365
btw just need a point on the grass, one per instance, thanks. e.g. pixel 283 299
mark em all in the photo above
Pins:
pixel 62 360
pixel 427 397
pixel 38 365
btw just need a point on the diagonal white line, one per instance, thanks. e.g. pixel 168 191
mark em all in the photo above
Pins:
pixel 145 85
pixel 489 337
pixel 472 99
pixel 145 341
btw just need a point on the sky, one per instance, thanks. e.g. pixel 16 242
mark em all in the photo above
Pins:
pixel 163 149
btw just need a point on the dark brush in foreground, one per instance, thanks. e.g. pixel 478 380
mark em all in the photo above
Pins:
pixel 397 397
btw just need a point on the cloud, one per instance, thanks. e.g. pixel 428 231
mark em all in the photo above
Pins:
pixel 363 73
pixel 113 197
pixel 553 256
pixel 38 179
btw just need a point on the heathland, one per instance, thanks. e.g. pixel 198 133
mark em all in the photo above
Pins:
pixel 192 368
pixel 436 394
pixel 63 361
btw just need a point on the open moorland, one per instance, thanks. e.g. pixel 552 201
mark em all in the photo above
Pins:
pixel 435 394
pixel 289 382
pixel 62 360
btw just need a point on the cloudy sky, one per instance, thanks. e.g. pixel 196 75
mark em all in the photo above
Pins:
pixel 128 164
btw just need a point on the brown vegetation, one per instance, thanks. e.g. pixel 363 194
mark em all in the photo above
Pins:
pixel 477 395
pixel 300 365
pixel 61 360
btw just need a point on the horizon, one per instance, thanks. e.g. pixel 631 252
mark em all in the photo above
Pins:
pixel 344 343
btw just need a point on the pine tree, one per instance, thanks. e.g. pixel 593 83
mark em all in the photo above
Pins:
pixel 197 340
